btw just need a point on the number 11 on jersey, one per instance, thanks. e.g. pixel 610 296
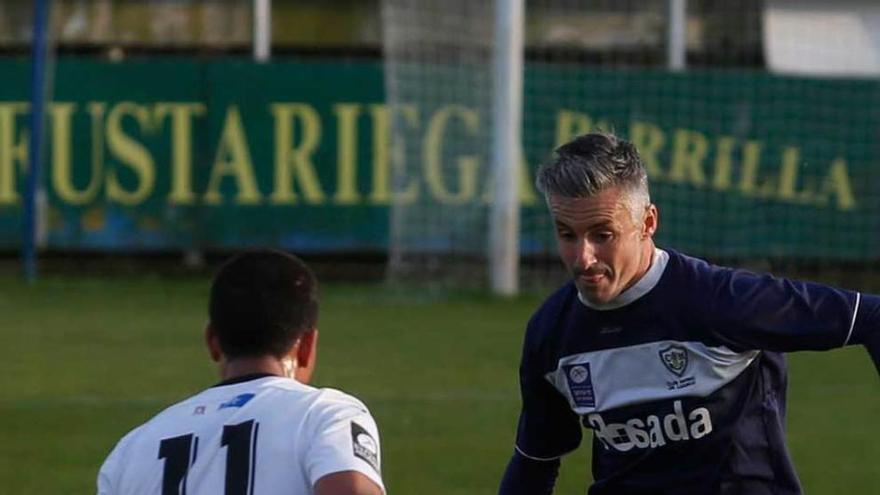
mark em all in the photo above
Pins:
pixel 180 454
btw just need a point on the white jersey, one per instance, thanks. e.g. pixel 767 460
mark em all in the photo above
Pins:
pixel 263 435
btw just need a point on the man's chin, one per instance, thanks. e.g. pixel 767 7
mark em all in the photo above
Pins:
pixel 593 294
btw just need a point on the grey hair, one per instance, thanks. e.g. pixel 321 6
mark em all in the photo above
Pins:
pixel 593 163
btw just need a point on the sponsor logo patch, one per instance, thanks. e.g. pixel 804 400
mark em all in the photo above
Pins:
pixel 580 384
pixel 675 358
pixel 237 401
pixel 364 446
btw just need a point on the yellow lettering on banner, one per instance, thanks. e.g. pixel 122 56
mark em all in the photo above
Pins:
pixel 525 191
pixel 748 180
pixel 570 124
pixel 649 140
pixel 233 158
pixel 467 164
pixel 688 152
pixel 62 163
pixel 390 155
pixel 788 178
pixel 723 163
pixel 837 183
pixel 13 151
pixel 182 115
pixel 379 194
pixel 346 148
pixel 97 110
pixel 295 161
pixel 131 153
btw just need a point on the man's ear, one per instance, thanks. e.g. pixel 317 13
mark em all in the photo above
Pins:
pixel 305 355
pixel 649 225
pixel 213 343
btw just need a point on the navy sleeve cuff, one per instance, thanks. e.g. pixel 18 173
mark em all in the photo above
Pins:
pixel 526 476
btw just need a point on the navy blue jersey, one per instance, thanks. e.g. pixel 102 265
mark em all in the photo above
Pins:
pixel 680 378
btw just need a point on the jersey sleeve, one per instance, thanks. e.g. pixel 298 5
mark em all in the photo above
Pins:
pixel 548 428
pixel 344 437
pixel 109 472
pixel 528 477
pixel 749 311
pixel 866 326
pixel 106 475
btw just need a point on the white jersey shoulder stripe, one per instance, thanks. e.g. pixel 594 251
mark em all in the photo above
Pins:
pixel 602 380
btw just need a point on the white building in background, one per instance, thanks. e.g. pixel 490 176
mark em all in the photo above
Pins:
pixel 823 37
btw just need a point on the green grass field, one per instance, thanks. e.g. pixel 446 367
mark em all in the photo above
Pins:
pixel 87 359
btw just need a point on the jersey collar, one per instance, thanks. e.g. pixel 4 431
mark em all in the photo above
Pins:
pixel 243 378
pixel 642 287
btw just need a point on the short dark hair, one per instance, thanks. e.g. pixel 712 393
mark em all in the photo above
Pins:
pixel 261 302
pixel 590 164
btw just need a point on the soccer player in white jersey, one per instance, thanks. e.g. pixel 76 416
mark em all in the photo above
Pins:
pixel 674 364
pixel 262 429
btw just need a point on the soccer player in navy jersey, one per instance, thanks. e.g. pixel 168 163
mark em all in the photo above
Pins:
pixel 673 363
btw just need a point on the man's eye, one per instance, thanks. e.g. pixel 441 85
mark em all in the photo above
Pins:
pixel 603 236
pixel 568 236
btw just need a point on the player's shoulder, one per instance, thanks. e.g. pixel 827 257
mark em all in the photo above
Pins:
pixel 156 422
pixel 678 261
pixel 110 469
pixel 331 410
pixel 690 270
pixel 126 446
pixel 551 311
pixel 318 396
pixel 279 396
pixel 708 286
pixel 555 303
pixel 333 400
pixel 122 446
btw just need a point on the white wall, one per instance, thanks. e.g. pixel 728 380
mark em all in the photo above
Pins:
pixel 823 37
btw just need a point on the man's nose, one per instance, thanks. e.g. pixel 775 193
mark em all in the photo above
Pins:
pixel 586 253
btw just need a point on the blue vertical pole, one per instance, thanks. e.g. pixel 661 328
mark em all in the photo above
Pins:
pixel 38 96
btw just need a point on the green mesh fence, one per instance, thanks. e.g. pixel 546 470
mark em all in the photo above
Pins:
pixel 745 164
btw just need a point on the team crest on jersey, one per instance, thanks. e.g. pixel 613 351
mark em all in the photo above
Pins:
pixel 580 384
pixel 365 446
pixel 675 358
pixel 237 401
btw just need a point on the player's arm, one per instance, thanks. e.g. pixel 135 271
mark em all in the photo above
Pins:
pixel 547 429
pixel 777 314
pixel 107 474
pixel 525 476
pixel 343 455
pixel 347 483
pixel 104 486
